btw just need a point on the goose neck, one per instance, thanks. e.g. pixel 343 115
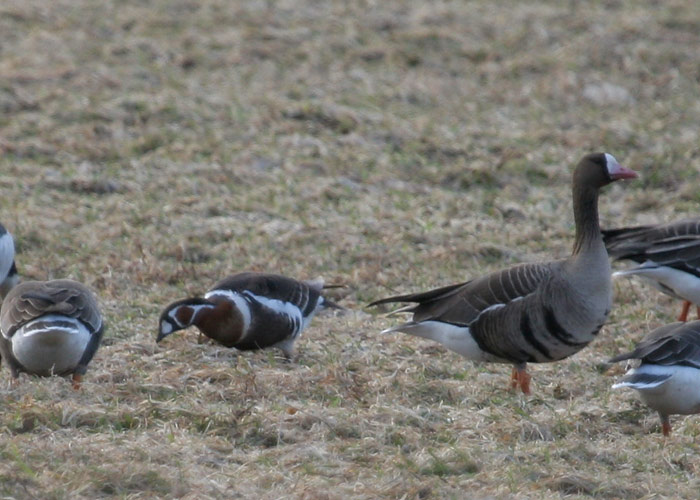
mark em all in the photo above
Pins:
pixel 586 219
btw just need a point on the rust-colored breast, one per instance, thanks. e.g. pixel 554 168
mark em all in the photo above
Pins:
pixel 184 315
pixel 223 323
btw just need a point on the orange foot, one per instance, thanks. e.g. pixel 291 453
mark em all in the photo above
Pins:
pixel 520 377
pixel 684 313
pixel 77 380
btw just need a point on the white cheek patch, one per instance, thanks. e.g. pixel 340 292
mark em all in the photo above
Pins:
pixel 166 328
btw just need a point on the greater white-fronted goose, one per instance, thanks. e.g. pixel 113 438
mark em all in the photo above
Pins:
pixel 538 312
pixel 668 378
pixel 8 269
pixel 50 328
pixel 668 256
pixel 249 311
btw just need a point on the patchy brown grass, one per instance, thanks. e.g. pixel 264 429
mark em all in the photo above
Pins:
pixel 150 148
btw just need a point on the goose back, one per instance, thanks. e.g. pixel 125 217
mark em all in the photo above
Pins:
pixel 32 299
pixel 302 294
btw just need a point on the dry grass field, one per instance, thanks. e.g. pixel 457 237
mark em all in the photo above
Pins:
pixel 148 148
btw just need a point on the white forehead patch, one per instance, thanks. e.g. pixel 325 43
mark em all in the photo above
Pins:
pixel 166 328
pixel 612 164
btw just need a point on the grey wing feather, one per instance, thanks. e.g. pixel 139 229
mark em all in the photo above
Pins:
pixel 675 245
pixel 673 344
pixel 32 299
pixel 433 295
pixel 462 303
pixel 500 287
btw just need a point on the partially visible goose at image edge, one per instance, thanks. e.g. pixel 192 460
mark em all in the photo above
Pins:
pixel 668 378
pixel 536 312
pixel 50 328
pixel 668 257
pixel 8 269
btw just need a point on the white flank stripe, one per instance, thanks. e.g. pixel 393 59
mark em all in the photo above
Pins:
pixel 241 304
pixel 639 385
pixel 685 285
pixel 280 307
pixel 665 373
pixel 43 324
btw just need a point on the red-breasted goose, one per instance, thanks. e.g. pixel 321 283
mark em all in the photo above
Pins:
pixel 538 312
pixel 668 256
pixel 50 328
pixel 249 311
pixel 8 270
pixel 668 378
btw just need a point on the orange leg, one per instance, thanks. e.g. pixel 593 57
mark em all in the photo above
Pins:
pixel 514 379
pixel 520 377
pixel 665 425
pixel 77 380
pixel 684 312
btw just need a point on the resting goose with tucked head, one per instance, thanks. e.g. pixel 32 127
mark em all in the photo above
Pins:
pixel 668 256
pixel 249 311
pixel 538 312
pixel 668 378
pixel 8 270
pixel 50 328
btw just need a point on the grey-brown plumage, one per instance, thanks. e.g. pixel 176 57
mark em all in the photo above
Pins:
pixel 668 256
pixel 672 344
pixel 50 328
pixel 537 312
pixel 668 377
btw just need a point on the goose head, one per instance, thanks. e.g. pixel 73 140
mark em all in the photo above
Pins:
pixel 600 169
pixel 180 315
